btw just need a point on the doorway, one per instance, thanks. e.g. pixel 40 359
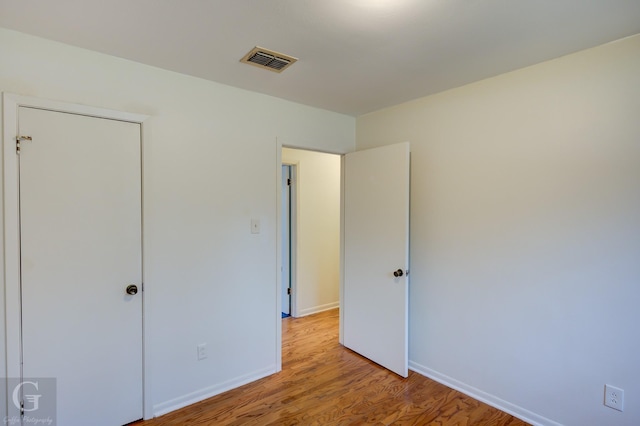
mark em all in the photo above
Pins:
pixel 310 231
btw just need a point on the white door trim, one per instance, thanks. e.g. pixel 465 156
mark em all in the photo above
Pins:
pixel 11 103
pixel 342 191
pixel 278 310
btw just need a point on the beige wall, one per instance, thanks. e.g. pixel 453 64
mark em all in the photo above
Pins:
pixel 525 231
pixel 318 230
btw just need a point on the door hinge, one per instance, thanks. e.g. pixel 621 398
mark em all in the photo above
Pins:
pixel 19 139
pixel 22 408
pixel 289 181
pixel 289 290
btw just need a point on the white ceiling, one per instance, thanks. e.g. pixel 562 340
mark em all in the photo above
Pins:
pixel 355 56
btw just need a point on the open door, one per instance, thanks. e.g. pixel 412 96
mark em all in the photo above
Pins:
pixel 376 255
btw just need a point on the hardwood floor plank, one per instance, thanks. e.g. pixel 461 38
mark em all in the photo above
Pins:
pixel 323 383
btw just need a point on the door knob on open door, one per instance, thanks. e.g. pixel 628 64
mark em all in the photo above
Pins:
pixel 132 289
pixel 398 273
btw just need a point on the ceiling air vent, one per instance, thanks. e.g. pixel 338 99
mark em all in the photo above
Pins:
pixel 268 59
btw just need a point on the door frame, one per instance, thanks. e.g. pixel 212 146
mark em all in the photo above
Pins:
pixel 278 311
pixel 293 235
pixel 12 303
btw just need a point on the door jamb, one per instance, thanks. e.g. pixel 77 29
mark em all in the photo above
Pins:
pixel 11 102
pixel 293 236
pixel 342 241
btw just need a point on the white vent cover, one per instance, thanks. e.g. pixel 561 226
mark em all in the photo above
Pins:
pixel 268 59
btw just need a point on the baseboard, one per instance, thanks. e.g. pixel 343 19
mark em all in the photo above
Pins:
pixel 317 309
pixel 208 392
pixel 482 396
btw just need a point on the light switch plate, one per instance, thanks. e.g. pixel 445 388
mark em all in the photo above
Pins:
pixel 255 226
pixel 202 351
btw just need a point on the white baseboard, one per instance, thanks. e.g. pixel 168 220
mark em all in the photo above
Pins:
pixel 482 396
pixel 208 392
pixel 317 309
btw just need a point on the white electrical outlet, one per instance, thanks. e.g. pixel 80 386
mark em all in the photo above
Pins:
pixel 202 351
pixel 614 397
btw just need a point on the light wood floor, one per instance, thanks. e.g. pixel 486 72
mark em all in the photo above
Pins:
pixel 322 383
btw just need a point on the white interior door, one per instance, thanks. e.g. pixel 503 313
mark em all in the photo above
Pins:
pixel 80 225
pixel 376 244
